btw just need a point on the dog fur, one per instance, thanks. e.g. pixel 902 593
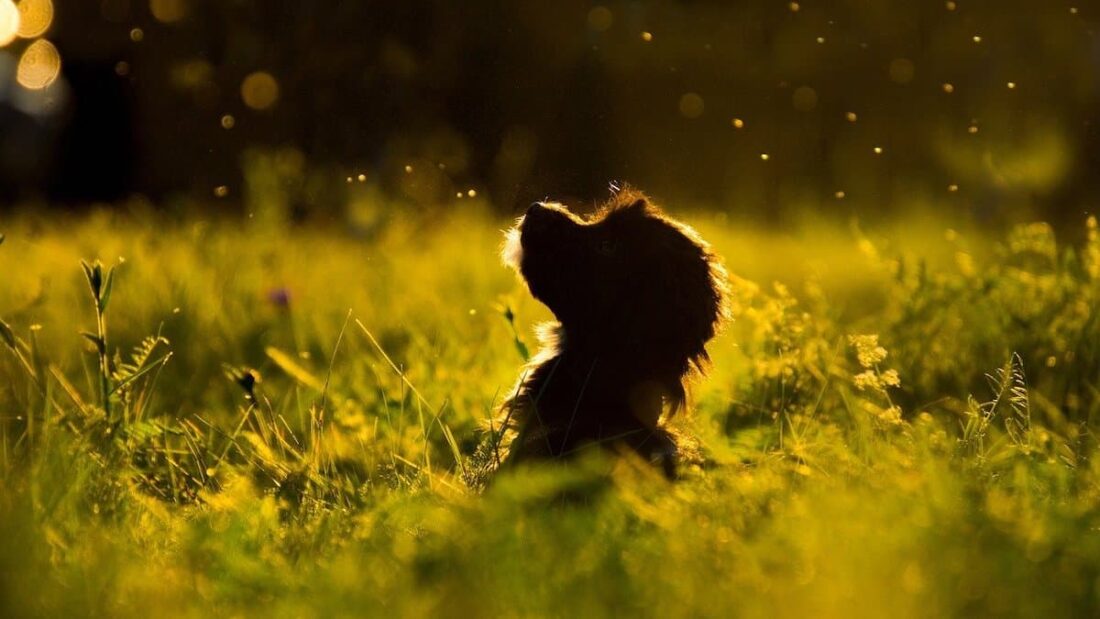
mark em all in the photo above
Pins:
pixel 637 295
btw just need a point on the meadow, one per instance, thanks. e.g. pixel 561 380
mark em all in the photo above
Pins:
pixel 230 416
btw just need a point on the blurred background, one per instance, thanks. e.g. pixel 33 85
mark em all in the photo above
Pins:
pixel 988 110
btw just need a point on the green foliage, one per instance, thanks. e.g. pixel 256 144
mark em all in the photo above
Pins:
pixel 883 432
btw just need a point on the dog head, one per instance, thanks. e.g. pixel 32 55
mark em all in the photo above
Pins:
pixel 628 284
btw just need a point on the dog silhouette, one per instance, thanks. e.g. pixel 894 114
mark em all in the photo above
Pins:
pixel 637 296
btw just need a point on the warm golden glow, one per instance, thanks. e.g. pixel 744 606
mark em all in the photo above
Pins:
pixel 691 105
pixel 902 70
pixel 600 18
pixel 35 17
pixel 168 11
pixel 260 90
pixel 39 65
pixel 191 74
pixel 9 22
pixel 804 99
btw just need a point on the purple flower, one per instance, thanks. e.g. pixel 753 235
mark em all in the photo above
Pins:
pixel 279 297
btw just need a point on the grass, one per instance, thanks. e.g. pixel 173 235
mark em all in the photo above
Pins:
pixel 896 423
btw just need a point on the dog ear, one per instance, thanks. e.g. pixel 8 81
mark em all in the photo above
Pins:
pixel 694 284
pixel 696 306
pixel 637 207
pixel 628 201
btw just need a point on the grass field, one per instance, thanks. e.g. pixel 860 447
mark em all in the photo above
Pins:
pixel 899 422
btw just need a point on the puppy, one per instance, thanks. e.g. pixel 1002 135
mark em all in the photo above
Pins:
pixel 637 296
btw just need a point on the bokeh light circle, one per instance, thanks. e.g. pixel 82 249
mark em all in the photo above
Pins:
pixel 39 65
pixel 9 22
pixel 168 11
pixel 902 70
pixel 691 105
pixel 600 18
pixel 35 18
pixel 804 99
pixel 259 90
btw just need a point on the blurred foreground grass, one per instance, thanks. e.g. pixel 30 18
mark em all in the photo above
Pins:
pixel 901 424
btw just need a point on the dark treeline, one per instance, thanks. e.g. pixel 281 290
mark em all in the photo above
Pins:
pixel 766 105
